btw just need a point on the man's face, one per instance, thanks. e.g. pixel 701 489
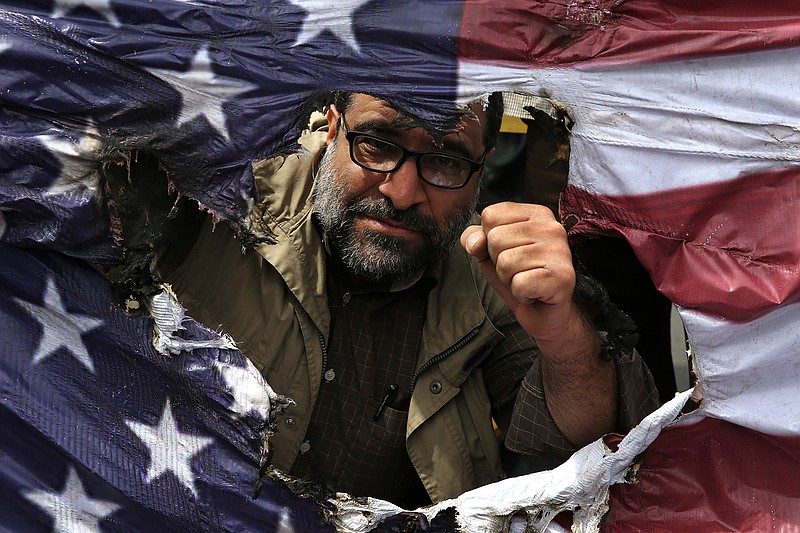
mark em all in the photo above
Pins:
pixel 388 227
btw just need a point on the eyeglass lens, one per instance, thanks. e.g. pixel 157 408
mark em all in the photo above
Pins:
pixel 383 156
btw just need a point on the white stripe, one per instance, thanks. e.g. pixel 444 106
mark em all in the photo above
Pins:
pixel 649 127
pixel 750 373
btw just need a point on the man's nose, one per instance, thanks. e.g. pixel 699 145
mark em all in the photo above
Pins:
pixel 403 186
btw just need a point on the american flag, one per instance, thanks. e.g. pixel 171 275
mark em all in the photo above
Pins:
pixel 206 86
pixel 685 143
pixel 102 433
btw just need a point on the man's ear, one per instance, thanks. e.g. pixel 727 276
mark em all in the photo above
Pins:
pixel 333 123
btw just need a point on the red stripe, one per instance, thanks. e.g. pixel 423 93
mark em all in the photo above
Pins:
pixel 730 249
pixel 547 33
pixel 711 476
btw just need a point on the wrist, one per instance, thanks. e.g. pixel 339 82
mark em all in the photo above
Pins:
pixel 577 344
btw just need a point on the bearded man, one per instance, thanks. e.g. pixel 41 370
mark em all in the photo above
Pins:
pixel 412 360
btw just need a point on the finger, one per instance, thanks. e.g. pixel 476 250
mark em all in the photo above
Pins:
pixel 490 273
pixel 511 261
pixel 473 240
pixel 550 233
pixel 510 236
pixel 541 285
pixel 513 249
pixel 509 213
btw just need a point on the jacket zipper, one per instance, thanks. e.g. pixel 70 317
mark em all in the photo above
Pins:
pixel 324 354
pixel 442 356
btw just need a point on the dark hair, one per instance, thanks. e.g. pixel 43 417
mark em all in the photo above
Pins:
pixel 342 100
pixel 494 110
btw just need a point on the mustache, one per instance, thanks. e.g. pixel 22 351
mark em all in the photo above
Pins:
pixel 383 208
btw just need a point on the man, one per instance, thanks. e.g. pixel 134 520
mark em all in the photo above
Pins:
pixel 401 348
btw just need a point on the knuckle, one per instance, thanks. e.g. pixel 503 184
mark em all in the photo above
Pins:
pixel 494 241
pixel 489 215
pixel 523 287
pixel 517 287
pixel 504 264
pixel 494 234
pixel 554 228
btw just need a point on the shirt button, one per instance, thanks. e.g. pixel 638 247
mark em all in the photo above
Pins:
pixel 346 298
pixel 290 422
pixel 436 387
pixel 329 375
pixel 305 447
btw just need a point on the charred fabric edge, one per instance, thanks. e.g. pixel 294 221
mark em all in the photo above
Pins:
pixel 151 212
pixel 150 215
pixel 603 314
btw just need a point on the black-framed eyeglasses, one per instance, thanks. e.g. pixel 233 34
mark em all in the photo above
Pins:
pixel 377 154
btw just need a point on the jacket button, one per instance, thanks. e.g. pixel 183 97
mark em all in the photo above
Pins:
pixel 290 422
pixel 436 387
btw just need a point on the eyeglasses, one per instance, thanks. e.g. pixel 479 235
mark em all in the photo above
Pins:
pixel 377 154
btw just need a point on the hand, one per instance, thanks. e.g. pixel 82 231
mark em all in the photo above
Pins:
pixel 523 252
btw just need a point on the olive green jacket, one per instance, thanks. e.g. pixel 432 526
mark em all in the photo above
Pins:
pixel 274 304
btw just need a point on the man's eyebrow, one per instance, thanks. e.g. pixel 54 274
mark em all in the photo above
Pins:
pixel 459 147
pixel 380 128
pixel 376 127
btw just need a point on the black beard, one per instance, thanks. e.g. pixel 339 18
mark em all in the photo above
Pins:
pixel 375 257
pixel 379 258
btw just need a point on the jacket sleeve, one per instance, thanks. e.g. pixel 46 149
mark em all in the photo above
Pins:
pixel 514 383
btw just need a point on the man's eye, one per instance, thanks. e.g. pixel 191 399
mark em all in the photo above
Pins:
pixel 443 161
pixel 370 145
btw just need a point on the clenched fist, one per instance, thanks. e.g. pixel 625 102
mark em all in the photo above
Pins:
pixel 523 252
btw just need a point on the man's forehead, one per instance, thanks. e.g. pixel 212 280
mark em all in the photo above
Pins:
pixel 471 121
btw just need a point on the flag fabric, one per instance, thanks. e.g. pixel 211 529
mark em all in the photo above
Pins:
pixel 102 433
pixel 207 87
pixel 685 143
